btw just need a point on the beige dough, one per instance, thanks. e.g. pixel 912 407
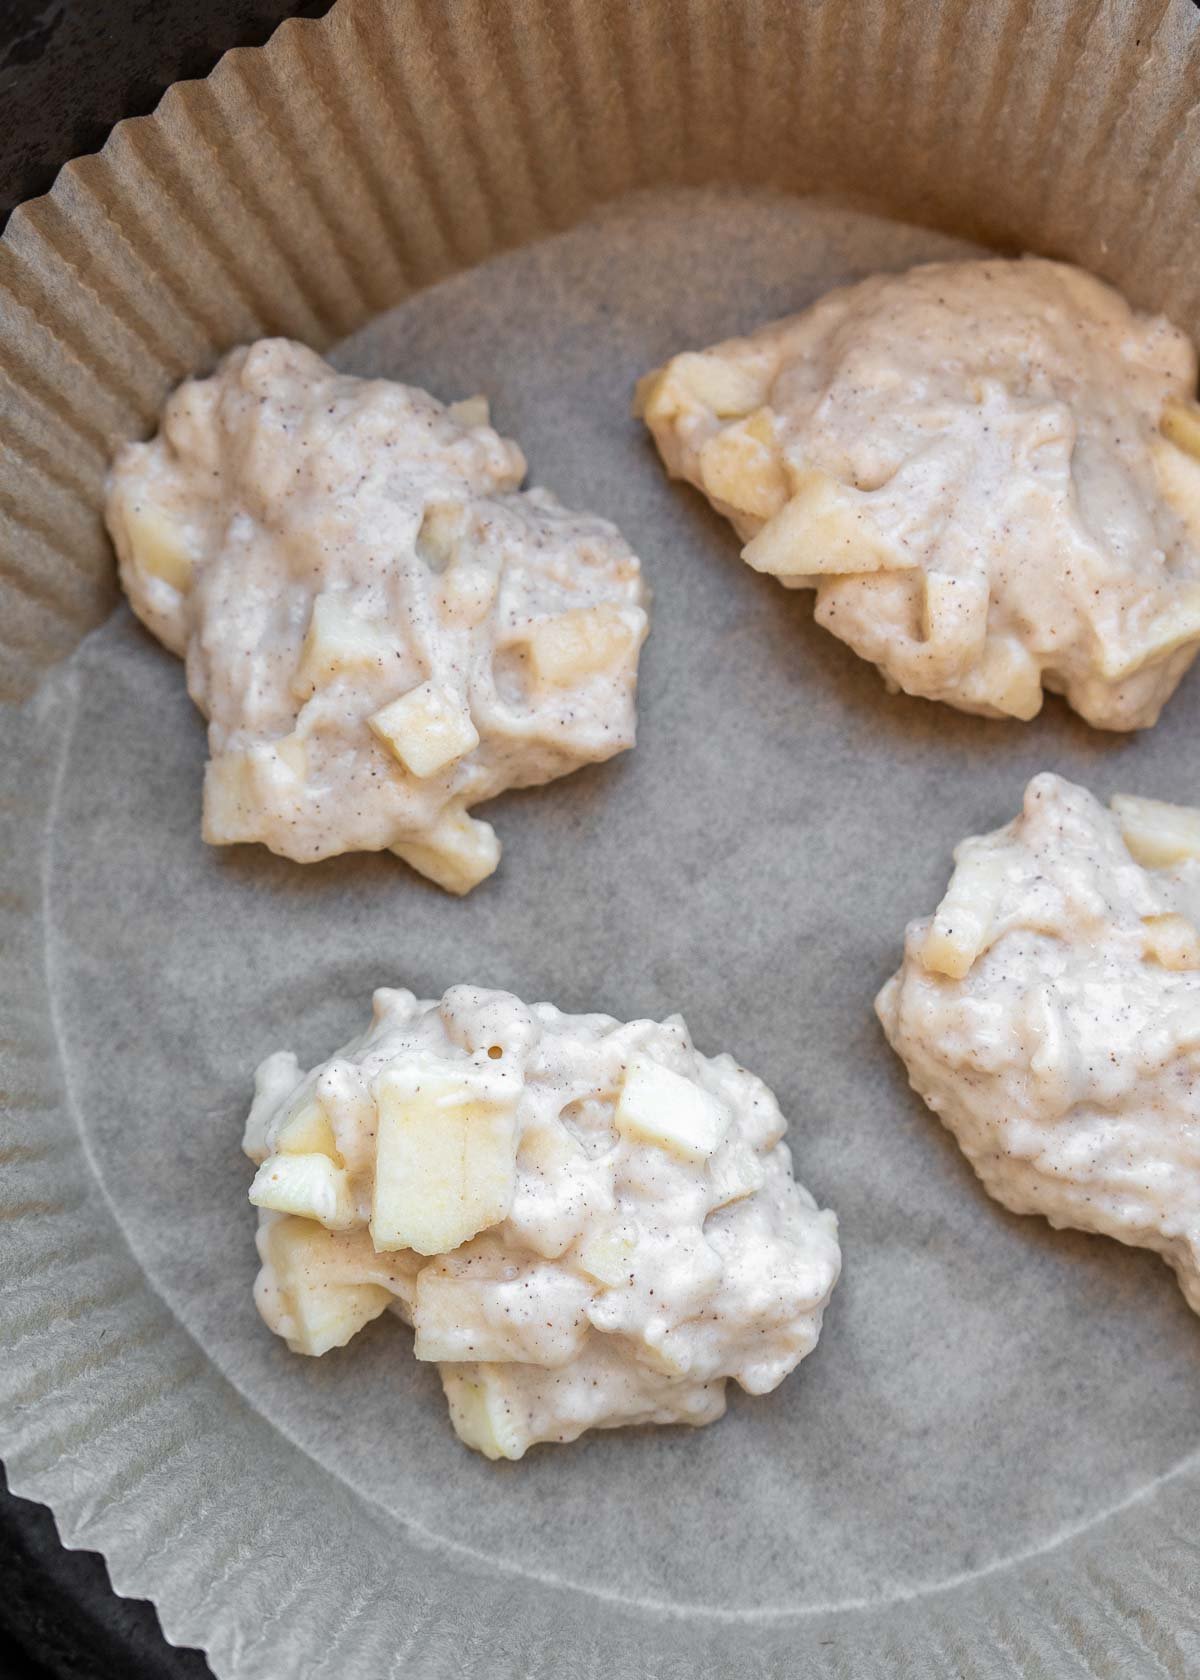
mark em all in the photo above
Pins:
pixel 988 471
pixel 588 1223
pixel 1049 1014
pixel 381 629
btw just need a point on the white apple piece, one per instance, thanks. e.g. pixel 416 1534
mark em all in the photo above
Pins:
pixel 318 1289
pixel 427 729
pixel 457 853
pixel 670 1110
pixel 445 1163
pixel 586 1223
pixel 572 646
pixel 1157 833
pixel 382 628
pixel 308 1185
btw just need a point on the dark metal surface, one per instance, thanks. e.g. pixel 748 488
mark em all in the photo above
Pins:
pixel 61 1619
pixel 69 70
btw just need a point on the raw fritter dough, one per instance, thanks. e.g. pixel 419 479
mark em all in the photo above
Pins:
pixel 988 471
pixel 587 1223
pixel 381 629
pixel 1049 1014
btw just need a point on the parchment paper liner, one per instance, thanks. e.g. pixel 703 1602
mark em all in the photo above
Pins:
pixel 299 189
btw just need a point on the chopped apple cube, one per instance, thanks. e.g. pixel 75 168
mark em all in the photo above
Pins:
pixel 1008 678
pixel 486 1410
pixel 736 1172
pixel 740 467
pixel 307 1132
pixel 323 1304
pixel 158 544
pixel 1171 941
pixel 661 1107
pixel 607 1254
pixel 1158 835
pixel 1181 423
pixel 339 640
pixel 445 1163
pixel 458 853
pixel 310 1186
pixel 427 729
pixel 230 804
pixel 470 412
pixel 724 386
pixel 827 528
pixel 576 644
pixel 964 924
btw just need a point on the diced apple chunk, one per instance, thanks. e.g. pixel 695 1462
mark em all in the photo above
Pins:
pixel 470 412
pixel 964 924
pixel 427 729
pixel 661 1107
pixel 485 1410
pixel 309 1186
pixel 307 1132
pixel 1181 423
pixel 338 640
pixel 158 544
pixel 1171 941
pixel 1008 678
pixel 576 644
pixel 737 1172
pixel 321 1305
pixel 445 1163
pixel 230 804
pixel 740 466
pixel 827 528
pixel 458 853
pixel 724 386
pixel 1158 835
pixel 606 1254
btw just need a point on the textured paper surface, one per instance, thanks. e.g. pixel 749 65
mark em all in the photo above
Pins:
pixel 986 1467
pixel 752 864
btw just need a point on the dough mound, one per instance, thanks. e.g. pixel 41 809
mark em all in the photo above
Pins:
pixel 1049 1014
pixel 988 471
pixel 588 1224
pixel 381 629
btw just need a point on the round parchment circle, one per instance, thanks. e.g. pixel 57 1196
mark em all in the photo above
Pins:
pixel 984 1387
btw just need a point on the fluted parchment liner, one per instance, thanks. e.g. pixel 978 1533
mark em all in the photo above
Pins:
pixel 301 188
